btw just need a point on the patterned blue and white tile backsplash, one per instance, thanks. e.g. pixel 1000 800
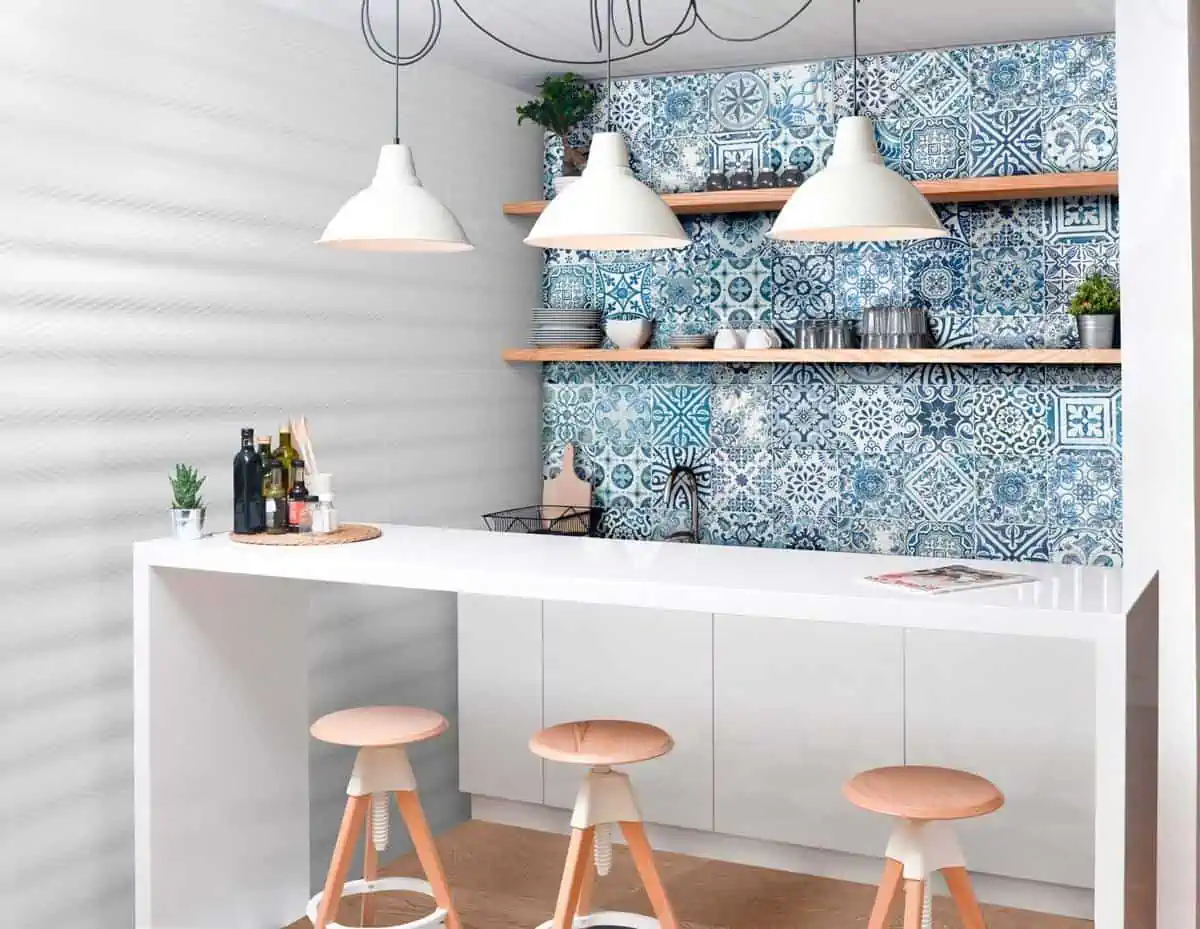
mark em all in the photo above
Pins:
pixel 1020 463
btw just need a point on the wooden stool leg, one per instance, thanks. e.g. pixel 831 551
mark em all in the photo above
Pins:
pixel 963 893
pixel 587 882
pixel 370 873
pixel 579 852
pixel 427 853
pixel 643 859
pixel 888 885
pixel 343 851
pixel 914 902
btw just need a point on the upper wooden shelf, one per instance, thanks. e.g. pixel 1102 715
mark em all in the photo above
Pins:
pixel 957 190
pixel 1010 356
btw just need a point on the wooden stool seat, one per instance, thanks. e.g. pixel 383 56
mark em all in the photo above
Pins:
pixel 605 801
pixel 381 771
pixel 379 726
pixel 923 800
pixel 601 742
pixel 923 793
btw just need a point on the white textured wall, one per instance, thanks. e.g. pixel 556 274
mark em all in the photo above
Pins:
pixel 163 170
pixel 1158 78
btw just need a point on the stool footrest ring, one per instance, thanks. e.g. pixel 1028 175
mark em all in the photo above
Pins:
pixel 609 918
pixel 381 885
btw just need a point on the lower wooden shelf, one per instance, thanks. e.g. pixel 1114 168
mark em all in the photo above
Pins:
pixel 1008 356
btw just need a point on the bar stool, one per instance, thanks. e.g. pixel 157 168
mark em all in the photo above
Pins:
pixel 381 768
pixel 605 799
pixel 924 799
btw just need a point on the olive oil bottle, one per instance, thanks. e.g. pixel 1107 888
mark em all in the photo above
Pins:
pixel 275 498
pixel 286 455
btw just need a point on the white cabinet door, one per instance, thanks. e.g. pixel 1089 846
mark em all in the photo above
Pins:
pixel 651 666
pixel 799 708
pixel 499 696
pixel 1020 711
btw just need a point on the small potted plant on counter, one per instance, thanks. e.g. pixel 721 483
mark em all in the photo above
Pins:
pixel 565 100
pixel 187 506
pixel 1095 307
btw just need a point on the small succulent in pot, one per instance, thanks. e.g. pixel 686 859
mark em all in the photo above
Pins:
pixel 1095 307
pixel 187 505
pixel 565 101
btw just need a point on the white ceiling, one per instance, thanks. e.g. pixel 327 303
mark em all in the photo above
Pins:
pixel 560 28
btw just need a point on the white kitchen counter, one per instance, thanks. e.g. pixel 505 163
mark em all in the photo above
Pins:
pixel 1067 601
pixel 221 742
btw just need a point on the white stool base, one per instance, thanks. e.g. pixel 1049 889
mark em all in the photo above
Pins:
pixel 924 847
pixel 609 918
pixel 605 796
pixel 379 885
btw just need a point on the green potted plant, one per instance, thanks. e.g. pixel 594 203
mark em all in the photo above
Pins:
pixel 187 506
pixel 1095 307
pixel 563 102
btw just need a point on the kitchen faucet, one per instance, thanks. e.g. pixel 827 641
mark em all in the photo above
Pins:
pixel 682 481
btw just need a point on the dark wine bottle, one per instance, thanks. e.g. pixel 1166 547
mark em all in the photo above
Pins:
pixel 249 510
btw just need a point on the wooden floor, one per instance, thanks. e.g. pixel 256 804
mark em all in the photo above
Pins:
pixel 507 878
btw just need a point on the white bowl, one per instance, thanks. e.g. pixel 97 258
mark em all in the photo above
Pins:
pixel 628 333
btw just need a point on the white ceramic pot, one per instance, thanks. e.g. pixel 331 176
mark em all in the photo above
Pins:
pixel 628 333
pixel 187 525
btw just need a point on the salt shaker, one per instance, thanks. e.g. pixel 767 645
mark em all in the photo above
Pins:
pixel 324 515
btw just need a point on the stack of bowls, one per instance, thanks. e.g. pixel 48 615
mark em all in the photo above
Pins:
pixel 554 328
pixel 690 340
pixel 891 327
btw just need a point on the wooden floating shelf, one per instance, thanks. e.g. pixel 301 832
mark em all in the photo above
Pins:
pixel 1003 356
pixel 957 190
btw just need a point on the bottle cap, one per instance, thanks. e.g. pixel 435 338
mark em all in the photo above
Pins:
pixel 325 498
pixel 248 433
pixel 263 440
pixel 321 483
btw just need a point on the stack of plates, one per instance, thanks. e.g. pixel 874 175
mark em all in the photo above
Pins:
pixel 565 328
pixel 690 340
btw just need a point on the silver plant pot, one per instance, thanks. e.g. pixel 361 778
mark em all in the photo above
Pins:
pixel 187 525
pixel 1096 331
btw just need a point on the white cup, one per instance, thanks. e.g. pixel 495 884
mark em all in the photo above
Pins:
pixel 759 338
pixel 727 338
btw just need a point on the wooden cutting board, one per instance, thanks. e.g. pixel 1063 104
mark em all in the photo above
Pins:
pixel 565 488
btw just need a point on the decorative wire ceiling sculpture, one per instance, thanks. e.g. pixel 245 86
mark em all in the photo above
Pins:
pixel 633 25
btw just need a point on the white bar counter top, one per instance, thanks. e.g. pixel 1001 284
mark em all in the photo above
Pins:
pixel 1065 601
pixel 221 693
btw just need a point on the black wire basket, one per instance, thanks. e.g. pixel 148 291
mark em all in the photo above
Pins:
pixel 546 520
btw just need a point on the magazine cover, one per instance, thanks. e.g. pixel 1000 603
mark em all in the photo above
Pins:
pixel 948 579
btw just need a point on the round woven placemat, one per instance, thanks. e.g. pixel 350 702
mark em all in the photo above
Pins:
pixel 349 532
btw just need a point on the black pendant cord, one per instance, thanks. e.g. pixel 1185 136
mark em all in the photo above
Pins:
pixel 854 29
pixel 608 66
pixel 691 19
pixel 396 70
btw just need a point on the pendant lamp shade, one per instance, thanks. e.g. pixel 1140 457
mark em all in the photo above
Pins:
pixel 855 198
pixel 607 209
pixel 395 214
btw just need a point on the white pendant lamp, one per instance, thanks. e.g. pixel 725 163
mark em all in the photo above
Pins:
pixel 395 214
pixel 855 198
pixel 607 209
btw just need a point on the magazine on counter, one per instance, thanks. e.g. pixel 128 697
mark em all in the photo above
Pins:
pixel 948 579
